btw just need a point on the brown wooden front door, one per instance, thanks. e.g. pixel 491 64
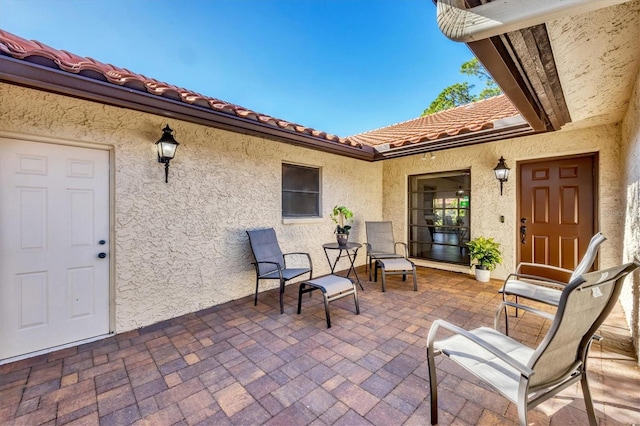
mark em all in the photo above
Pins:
pixel 556 210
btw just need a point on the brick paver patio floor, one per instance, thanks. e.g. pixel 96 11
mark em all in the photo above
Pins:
pixel 236 364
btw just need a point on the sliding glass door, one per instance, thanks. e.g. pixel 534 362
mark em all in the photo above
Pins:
pixel 439 213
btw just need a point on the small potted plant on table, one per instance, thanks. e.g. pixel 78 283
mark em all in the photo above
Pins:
pixel 485 255
pixel 340 216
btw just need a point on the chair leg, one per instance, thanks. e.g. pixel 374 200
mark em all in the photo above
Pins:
pixel 255 300
pixel 375 271
pixel 355 298
pixel 384 280
pixel 300 297
pixel 281 297
pixel 506 315
pixel 415 280
pixel 591 413
pixel 366 263
pixel 506 321
pixel 433 387
pixel 523 404
pixel 522 413
pixel 326 309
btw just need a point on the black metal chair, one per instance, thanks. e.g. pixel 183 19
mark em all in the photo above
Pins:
pixel 270 262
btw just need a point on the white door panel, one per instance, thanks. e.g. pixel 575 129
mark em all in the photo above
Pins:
pixel 54 210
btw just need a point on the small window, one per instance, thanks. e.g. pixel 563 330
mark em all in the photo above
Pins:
pixel 300 191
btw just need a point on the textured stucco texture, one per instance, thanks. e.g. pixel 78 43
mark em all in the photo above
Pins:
pixel 181 246
pixel 630 189
pixel 487 205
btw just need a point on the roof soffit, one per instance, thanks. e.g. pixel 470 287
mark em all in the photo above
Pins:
pixel 597 55
pixel 574 71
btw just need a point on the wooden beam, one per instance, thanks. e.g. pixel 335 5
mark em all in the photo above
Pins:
pixel 497 60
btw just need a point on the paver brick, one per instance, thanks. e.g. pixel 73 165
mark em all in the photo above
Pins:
pixel 242 364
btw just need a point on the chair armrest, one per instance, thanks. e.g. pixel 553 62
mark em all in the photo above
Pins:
pixel 368 247
pixel 523 369
pixel 284 256
pixel 496 321
pixel 534 279
pixel 265 261
pixel 406 252
pixel 543 266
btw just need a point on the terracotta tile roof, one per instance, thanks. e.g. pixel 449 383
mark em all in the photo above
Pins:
pixel 464 119
pixel 19 48
pixel 439 128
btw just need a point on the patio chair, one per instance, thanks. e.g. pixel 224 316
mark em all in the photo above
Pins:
pixel 270 262
pixel 381 244
pixel 526 376
pixel 546 290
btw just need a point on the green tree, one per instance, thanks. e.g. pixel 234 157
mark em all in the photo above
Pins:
pixel 460 93
pixel 450 97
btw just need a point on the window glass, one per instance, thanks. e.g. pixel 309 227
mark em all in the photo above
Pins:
pixel 300 191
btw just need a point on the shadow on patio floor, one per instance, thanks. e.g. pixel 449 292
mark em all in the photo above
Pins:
pixel 236 364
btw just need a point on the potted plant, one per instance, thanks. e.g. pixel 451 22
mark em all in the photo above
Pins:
pixel 485 255
pixel 340 216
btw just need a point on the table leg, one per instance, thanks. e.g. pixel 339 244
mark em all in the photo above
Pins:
pixel 332 265
pixel 353 268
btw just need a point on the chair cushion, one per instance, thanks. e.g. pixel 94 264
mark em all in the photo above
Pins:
pixel 484 364
pixel 538 293
pixel 331 284
pixel 396 264
pixel 386 256
pixel 287 274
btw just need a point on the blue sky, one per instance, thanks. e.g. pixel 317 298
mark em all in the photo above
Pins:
pixel 341 66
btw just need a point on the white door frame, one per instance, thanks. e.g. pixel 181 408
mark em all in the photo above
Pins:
pixel 112 246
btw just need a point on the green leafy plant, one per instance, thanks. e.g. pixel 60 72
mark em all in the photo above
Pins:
pixel 340 216
pixel 484 253
pixel 462 93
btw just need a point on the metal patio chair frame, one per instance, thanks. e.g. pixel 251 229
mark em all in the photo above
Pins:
pixel 527 376
pixel 542 289
pixel 271 264
pixel 381 244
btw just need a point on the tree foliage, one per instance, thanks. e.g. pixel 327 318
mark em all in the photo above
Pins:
pixel 461 93
pixel 452 96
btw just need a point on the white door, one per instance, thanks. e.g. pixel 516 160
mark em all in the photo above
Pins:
pixel 54 223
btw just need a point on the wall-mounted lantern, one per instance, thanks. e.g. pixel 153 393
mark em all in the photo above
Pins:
pixel 167 146
pixel 502 172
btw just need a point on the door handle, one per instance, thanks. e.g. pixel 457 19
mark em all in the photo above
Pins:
pixel 523 231
pixel 102 255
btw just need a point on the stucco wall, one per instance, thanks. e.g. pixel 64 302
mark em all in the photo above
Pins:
pixel 630 136
pixel 182 246
pixel 486 203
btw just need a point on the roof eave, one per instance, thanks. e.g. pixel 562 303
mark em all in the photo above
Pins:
pixel 457 141
pixel 40 77
pixel 498 64
pixel 521 63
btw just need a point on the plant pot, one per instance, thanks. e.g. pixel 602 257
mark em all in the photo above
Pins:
pixel 483 275
pixel 342 239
